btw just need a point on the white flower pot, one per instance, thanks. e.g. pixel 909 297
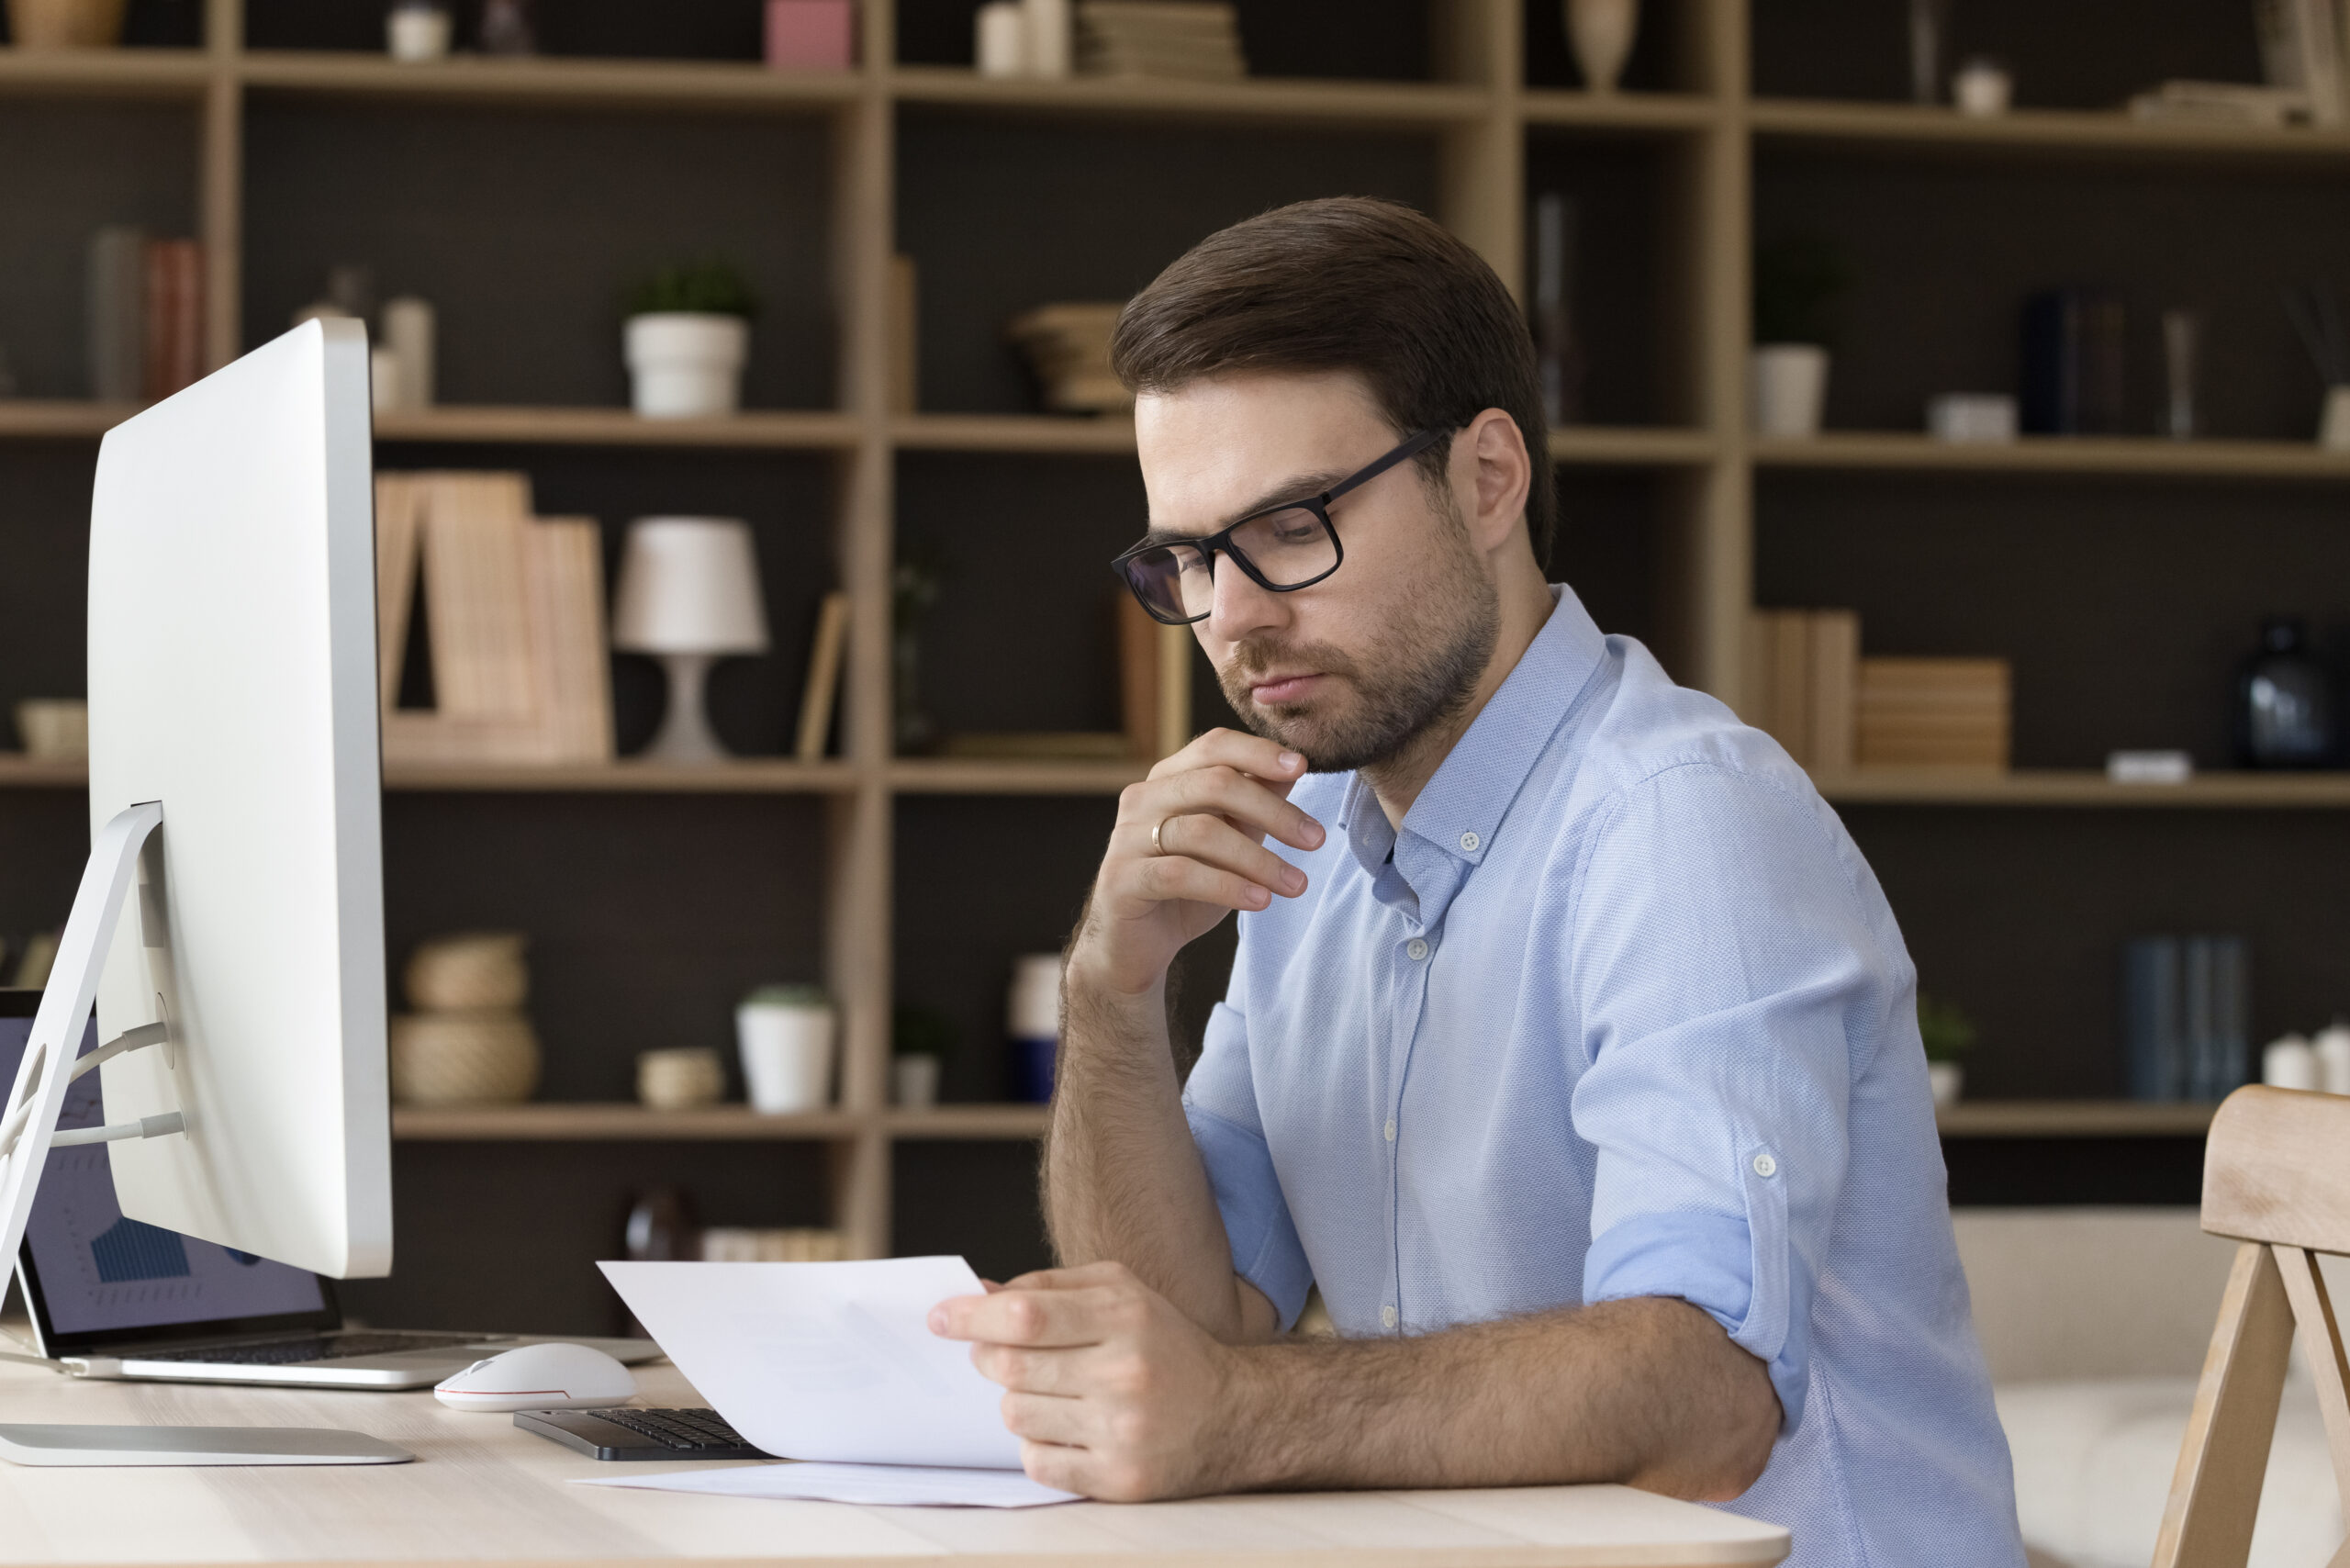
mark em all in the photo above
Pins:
pixel 1948 1078
pixel 1601 32
pixel 1790 388
pixel 786 1055
pixel 685 364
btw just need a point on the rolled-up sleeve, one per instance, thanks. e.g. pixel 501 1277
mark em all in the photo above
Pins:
pixel 1220 1103
pixel 1724 964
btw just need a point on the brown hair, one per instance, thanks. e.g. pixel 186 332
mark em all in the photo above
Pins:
pixel 1347 282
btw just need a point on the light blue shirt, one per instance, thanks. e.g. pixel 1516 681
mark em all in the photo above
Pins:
pixel 1625 1013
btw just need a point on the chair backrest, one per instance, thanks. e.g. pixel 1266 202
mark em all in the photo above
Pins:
pixel 2277 1178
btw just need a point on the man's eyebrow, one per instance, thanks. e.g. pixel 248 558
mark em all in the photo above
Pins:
pixel 1296 488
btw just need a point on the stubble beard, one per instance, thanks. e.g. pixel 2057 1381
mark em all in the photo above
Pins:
pixel 1416 674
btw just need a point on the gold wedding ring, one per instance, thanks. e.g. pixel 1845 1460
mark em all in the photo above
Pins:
pixel 1156 847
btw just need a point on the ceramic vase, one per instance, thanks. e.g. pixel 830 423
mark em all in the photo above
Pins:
pixel 1602 33
pixel 1948 1079
pixel 1790 388
pixel 686 364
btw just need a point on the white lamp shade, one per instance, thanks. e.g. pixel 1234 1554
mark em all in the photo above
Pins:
pixel 688 585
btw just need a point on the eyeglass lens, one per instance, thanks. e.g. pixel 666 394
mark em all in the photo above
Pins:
pixel 1289 548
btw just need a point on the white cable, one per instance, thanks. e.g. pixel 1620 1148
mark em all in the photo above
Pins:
pixel 129 1040
pixel 117 1132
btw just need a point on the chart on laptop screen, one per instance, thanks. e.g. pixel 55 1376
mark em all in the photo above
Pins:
pixel 100 1270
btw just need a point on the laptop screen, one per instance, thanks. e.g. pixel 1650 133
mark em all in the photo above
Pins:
pixel 92 1276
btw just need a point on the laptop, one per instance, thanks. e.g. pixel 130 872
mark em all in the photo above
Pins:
pixel 114 1298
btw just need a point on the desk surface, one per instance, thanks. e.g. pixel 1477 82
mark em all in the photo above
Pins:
pixel 482 1489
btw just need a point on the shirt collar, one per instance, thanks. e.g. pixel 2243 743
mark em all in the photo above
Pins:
pixel 1460 812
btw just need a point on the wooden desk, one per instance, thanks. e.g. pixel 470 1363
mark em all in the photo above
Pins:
pixel 482 1489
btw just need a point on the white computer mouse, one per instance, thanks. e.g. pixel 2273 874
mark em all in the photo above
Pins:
pixel 540 1377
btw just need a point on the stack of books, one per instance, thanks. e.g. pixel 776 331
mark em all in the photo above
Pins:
pixel 1802 670
pixel 146 315
pixel 1068 348
pixel 1809 688
pixel 2186 1016
pixel 511 624
pixel 2302 44
pixel 1934 714
pixel 1189 39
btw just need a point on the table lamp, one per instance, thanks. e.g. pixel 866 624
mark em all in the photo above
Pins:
pixel 688 596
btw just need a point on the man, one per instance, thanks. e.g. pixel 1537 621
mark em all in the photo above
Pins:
pixel 1571 1047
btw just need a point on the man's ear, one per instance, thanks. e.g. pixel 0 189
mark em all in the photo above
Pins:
pixel 1492 473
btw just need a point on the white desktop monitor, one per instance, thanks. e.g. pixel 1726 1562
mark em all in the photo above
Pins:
pixel 233 680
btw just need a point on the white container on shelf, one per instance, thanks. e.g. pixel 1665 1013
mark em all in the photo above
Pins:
pixel 1601 33
pixel 1947 1080
pixel 785 1036
pixel 407 333
pixel 1048 28
pixel 2288 1063
pixel 2334 425
pixel 913 1081
pixel 1000 38
pixel 416 31
pixel 1789 386
pixel 2333 1050
pixel 685 364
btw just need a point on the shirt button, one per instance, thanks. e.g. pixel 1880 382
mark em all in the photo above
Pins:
pixel 1469 841
pixel 1387 1318
pixel 1417 948
pixel 1391 1130
pixel 1765 1166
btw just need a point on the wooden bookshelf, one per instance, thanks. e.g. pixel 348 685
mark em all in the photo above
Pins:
pixel 2027 131
pixel 2126 456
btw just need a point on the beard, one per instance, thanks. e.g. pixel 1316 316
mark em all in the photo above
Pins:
pixel 1416 672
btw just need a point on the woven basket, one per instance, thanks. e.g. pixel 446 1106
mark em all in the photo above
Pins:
pixel 448 1059
pixel 472 971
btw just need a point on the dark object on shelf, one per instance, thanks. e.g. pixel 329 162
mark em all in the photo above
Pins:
pixel 708 288
pixel 641 1434
pixel 2284 701
pixel 2316 312
pixel 1796 284
pixel 2186 1016
pixel 2076 377
pixel 506 27
pixel 1928 26
pixel 914 587
pixel 1557 357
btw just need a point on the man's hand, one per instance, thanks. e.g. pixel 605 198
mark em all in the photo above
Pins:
pixel 1111 1391
pixel 1212 805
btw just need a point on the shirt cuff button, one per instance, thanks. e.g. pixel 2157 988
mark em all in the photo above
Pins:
pixel 1765 1166
pixel 1387 1316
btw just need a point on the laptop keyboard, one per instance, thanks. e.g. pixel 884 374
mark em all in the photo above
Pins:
pixel 684 1431
pixel 317 1348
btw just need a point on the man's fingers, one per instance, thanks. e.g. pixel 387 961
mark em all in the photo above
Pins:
pixel 1062 1319
pixel 1046 1418
pixel 1063 1373
pixel 1212 841
pixel 1253 754
pixel 1166 877
pixel 1219 791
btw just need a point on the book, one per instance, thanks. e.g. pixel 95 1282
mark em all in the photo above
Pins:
pixel 117 313
pixel 1802 677
pixel 473 580
pixel 2300 50
pixel 904 321
pixel 2186 1016
pixel 2153 1028
pixel 564 564
pixel 1933 712
pixel 817 701
pixel 172 319
pixel 2076 363
pixel 1834 690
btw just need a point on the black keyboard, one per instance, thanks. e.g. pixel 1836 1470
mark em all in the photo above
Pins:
pixel 312 1348
pixel 630 1433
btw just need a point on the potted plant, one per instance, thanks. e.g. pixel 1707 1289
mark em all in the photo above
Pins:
pixel 1948 1035
pixel 688 334
pixel 1797 286
pixel 920 1039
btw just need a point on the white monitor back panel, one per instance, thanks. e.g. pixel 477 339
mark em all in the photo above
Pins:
pixel 232 678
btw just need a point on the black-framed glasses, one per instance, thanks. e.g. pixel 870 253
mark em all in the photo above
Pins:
pixel 1282 548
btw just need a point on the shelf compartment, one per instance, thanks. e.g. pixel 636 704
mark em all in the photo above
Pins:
pixel 666 84
pixel 2073 1118
pixel 2148 457
pixel 1632 446
pixel 1252 100
pixel 168 73
pixel 950 1123
pixel 2089 131
pixel 1620 111
pixel 790 430
pixel 613 1121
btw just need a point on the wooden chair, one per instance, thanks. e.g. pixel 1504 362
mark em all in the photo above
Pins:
pixel 2277 1177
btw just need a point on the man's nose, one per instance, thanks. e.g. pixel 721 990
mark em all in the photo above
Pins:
pixel 1240 607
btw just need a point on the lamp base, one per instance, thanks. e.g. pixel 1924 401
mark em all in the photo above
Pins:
pixel 684 735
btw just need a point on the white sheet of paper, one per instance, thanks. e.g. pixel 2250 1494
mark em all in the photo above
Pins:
pixel 877 1484
pixel 827 1361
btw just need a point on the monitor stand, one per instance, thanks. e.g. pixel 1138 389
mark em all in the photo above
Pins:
pixel 28 1131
